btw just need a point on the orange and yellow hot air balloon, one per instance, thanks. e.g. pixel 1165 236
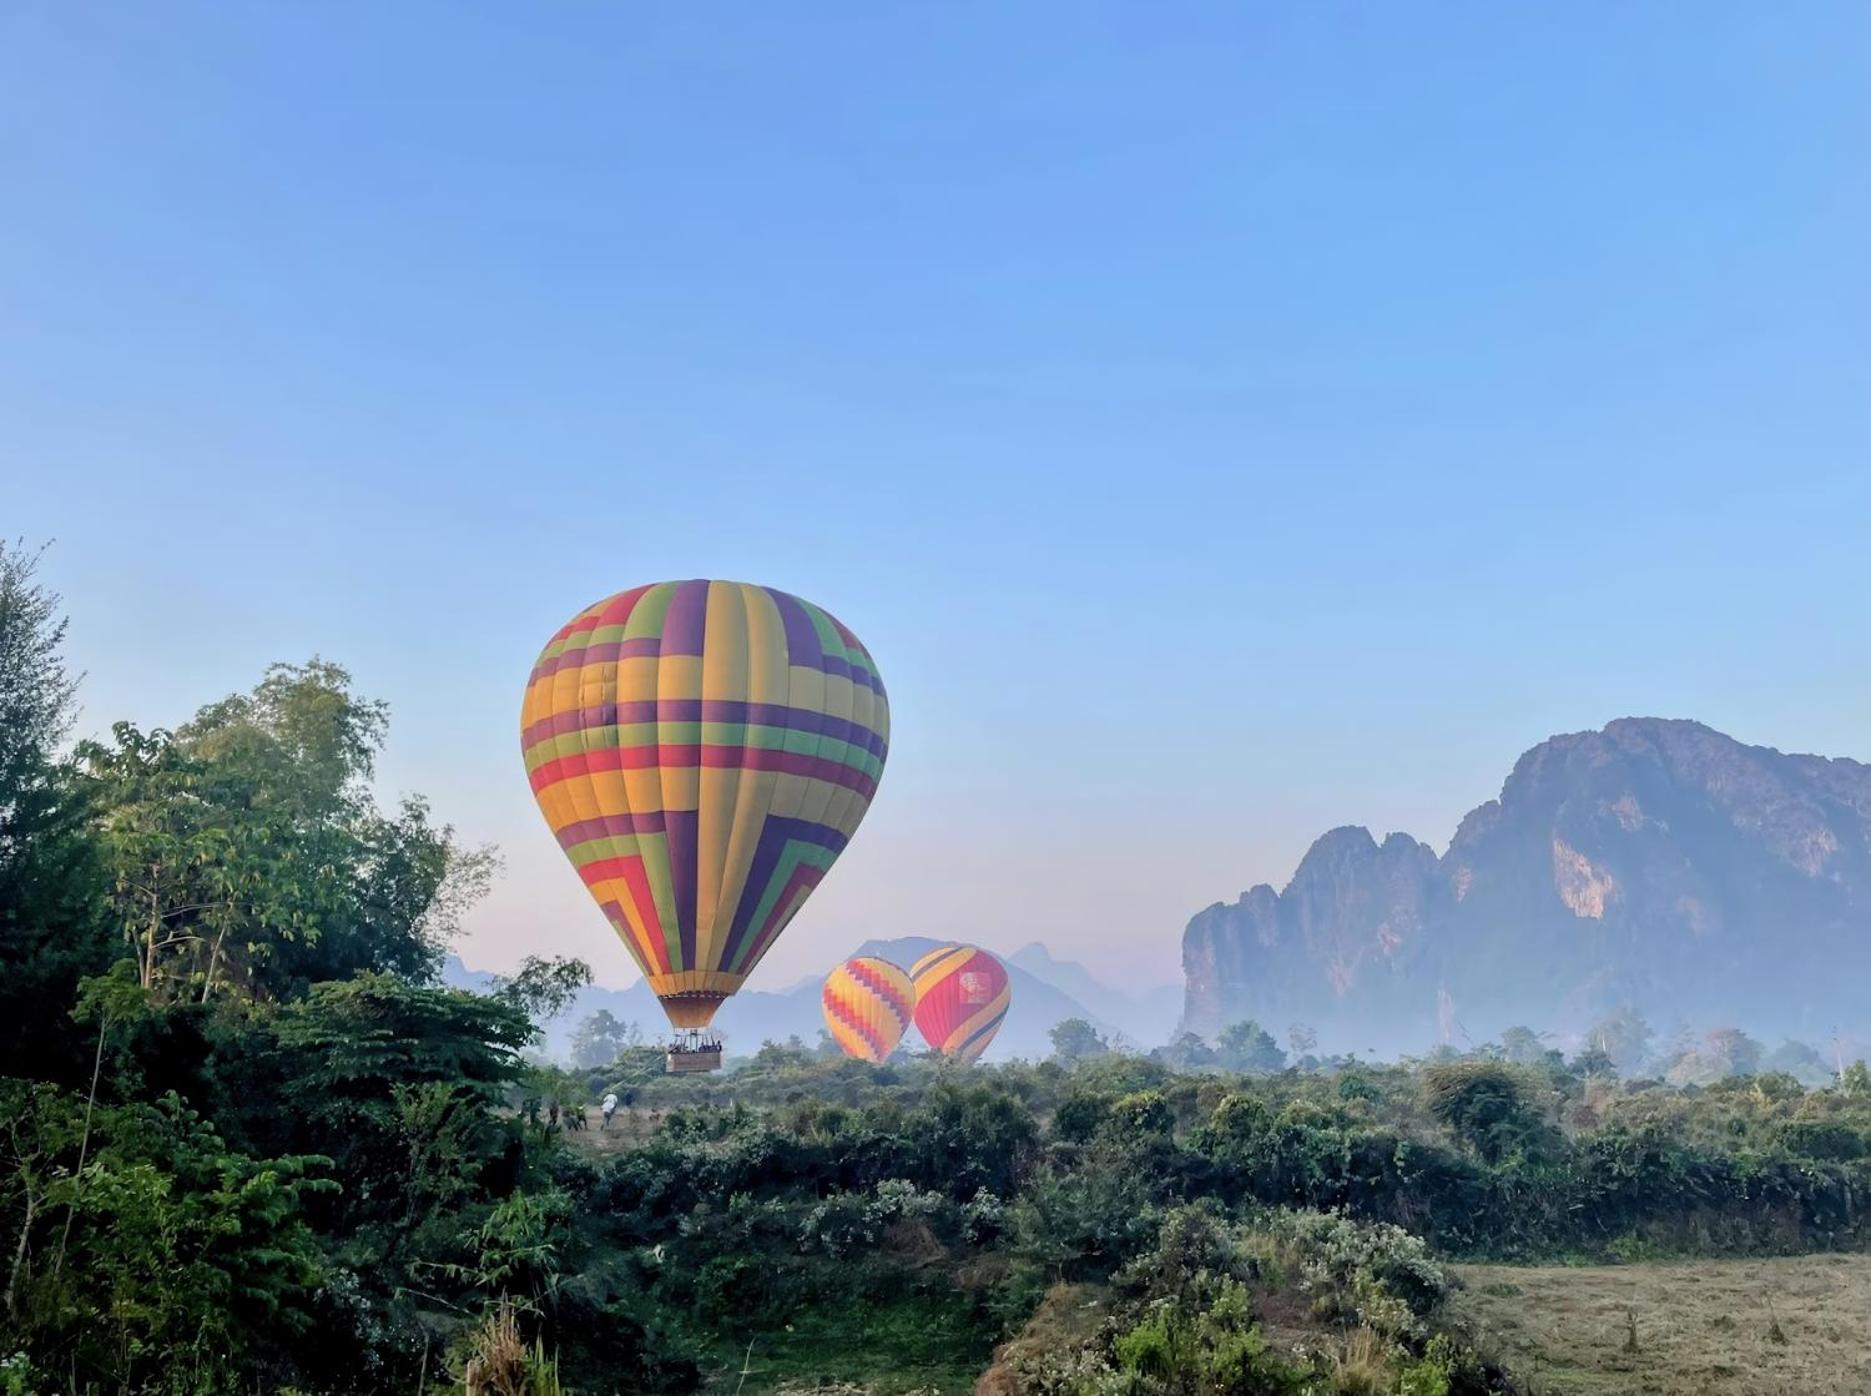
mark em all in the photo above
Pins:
pixel 962 996
pixel 868 1004
pixel 703 751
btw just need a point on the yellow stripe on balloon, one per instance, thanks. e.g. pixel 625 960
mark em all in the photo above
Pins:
pixel 723 677
pixel 766 683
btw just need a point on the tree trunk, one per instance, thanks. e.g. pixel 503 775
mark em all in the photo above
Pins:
pixel 19 1251
pixel 84 1143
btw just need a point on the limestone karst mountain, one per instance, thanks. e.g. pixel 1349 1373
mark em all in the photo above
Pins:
pixel 1654 863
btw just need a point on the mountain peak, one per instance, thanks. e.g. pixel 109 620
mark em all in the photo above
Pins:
pixel 1656 862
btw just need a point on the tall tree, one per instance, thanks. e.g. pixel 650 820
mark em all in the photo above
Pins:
pixel 600 1037
pixel 247 852
pixel 1249 1047
pixel 1075 1040
pixel 52 928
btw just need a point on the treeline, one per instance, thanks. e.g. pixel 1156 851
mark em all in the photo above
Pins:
pixel 883 1217
pixel 248 1144
pixel 245 1143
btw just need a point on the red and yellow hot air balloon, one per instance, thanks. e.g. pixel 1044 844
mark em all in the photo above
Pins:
pixel 703 751
pixel 962 995
pixel 868 1004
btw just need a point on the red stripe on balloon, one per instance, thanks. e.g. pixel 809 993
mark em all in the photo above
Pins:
pixel 629 870
pixel 880 985
pixel 844 1015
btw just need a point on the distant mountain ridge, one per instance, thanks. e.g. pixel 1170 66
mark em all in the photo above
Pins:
pixel 1146 1018
pixel 752 1017
pixel 1656 862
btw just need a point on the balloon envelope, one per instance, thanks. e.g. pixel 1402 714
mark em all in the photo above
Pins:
pixel 868 1003
pixel 703 751
pixel 962 996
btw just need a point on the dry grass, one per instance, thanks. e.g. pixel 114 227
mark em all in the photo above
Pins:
pixel 628 1128
pixel 1066 1317
pixel 1794 1325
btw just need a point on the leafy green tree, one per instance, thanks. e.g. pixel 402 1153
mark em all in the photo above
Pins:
pixel 1249 1047
pixel 1186 1052
pixel 165 1258
pixel 1723 1052
pixel 1594 1062
pixel 1740 1053
pixel 1075 1040
pixel 246 850
pixel 1486 1106
pixel 1625 1037
pixel 1523 1046
pixel 1801 1061
pixel 398 1085
pixel 1140 1116
pixel 1239 1132
pixel 601 1037
pixel 52 925
pixel 543 988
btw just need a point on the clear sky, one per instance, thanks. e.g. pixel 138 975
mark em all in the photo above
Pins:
pixel 1220 421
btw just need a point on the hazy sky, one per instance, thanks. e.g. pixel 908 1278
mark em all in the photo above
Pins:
pixel 1220 422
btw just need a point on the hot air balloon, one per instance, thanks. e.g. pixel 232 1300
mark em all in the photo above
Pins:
pixel 962 996
pixel 703 751
pixel 868 1003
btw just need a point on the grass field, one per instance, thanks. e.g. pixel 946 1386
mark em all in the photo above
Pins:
pixel 1795 1325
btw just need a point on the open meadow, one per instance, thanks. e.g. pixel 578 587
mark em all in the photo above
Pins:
pixel 1782 1326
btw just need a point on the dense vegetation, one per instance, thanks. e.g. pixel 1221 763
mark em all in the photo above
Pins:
pixel 247 1144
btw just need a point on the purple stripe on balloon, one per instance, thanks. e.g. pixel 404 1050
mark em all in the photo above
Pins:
pixel 685 624
pixel 681 832
pixel 610 826
pixel 802 636
pixel 864 678
pixel 642 647
pixel 733 710
pixel 775 834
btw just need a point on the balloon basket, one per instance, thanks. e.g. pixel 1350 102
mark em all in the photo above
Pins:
pixel 695 1050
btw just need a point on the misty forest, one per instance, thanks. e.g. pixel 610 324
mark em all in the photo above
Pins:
pixel 256 1136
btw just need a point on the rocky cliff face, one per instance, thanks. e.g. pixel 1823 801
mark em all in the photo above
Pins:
pixel 1655 863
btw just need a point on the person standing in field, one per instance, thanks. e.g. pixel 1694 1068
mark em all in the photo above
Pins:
pixel 609 1107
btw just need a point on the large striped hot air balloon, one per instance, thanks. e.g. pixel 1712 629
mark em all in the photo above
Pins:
pixel 868 1003
pixel 703 751
pixel 962 996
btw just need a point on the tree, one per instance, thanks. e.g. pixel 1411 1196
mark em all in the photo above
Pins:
pixel 1186 1052
pixel 52 925
pixel 246 851
pixel 1623 1036
pixel 543 988
pixel 1800 1061
pixel 1594 1062
pixel 601 1037
pixel 1249 1047
pixel 1140 1117
pixel 1486 1106
pixel 168 1252
pixel 397 1085
pixel 1075 1040
pixel 1738 1053
pixel 1523 1046
pixel 1301 1039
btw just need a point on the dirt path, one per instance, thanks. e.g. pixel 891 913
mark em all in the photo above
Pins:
pixel 1799 1326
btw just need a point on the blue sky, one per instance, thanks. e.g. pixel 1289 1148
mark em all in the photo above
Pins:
pixel 1221 422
